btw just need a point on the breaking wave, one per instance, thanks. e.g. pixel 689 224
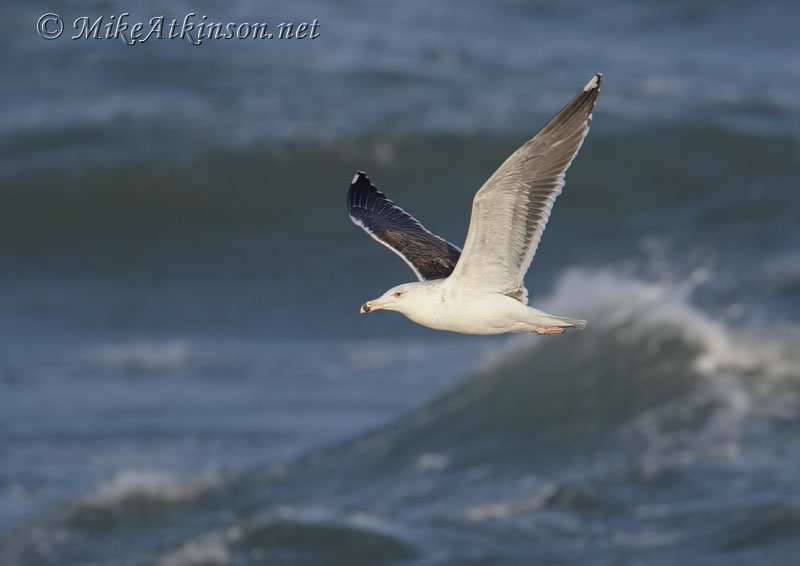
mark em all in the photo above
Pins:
pixel 635 408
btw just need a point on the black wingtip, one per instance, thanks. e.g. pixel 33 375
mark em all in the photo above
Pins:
pixel 359 177
pixel 362 192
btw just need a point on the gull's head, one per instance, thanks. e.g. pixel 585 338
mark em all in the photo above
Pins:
pixel 395 299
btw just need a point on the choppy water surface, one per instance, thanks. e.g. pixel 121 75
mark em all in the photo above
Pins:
pixel 184 376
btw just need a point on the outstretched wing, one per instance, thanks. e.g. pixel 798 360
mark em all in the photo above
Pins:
pixel 428 255
pixel 510 211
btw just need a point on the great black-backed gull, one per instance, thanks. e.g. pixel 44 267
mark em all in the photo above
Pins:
pixel 481 290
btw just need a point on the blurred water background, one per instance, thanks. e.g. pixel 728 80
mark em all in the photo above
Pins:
pixel 184 375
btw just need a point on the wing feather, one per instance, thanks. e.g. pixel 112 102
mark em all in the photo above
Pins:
pixel 510 211
pixel 428 255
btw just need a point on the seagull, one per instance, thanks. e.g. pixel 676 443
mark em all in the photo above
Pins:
pixel 480 290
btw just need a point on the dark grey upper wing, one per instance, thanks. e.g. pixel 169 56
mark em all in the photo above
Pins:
pixel 427 254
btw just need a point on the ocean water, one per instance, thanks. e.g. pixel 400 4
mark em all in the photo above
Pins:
pixel 185 379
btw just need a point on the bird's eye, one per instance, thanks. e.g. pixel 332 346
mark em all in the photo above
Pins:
pixel 398 293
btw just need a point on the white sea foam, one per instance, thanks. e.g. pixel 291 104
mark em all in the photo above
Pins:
pixel 499 510
pixel 747 374
pixel 150 484
pixel 140 356
pixel 205 550
pixel 432 462
pixel 629 306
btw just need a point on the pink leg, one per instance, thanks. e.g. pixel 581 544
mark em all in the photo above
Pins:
pixel 549 330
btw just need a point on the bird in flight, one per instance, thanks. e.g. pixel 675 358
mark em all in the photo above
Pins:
pixel 480 290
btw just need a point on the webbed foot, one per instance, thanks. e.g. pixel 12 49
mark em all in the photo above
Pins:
pixel 546 330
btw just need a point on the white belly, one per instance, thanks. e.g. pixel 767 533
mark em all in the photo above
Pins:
pixel 474 313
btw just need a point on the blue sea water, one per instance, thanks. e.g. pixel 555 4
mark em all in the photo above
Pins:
pixel 184 375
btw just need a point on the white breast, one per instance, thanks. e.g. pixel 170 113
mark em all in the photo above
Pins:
pixel 444 308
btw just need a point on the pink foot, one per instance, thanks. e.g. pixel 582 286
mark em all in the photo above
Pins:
pixel 549 330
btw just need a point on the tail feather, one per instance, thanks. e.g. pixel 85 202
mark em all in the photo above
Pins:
pixel 563 322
